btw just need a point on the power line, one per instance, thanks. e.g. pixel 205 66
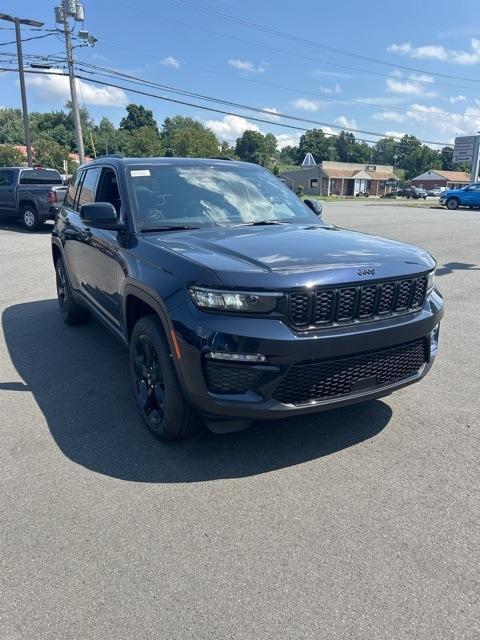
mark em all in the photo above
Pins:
pixel 256 109
pixel 321 96
pixel 433 116
pixel 132 78
pixel 289 54
pixel 45 35
pixel 311 43
pixel 296 39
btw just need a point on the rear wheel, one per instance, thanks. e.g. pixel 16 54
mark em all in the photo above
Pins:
pixel 155 383
pixel 453 203
pixel 30 218
pixel 71 312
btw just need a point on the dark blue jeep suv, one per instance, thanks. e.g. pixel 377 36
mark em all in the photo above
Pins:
pixel 236 301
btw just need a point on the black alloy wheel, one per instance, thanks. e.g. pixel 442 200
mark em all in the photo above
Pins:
pixel 149 382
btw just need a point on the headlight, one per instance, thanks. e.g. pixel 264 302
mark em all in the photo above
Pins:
pixel 431 282
pixel 239 301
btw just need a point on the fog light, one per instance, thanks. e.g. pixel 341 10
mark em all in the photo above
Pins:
pixel 235 357
pixel 434 341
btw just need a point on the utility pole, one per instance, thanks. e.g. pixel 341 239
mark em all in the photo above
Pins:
pixel 18 36
pixel 73 89
pixel 74 9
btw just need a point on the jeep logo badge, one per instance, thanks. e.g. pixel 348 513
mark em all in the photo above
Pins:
pixel 366 271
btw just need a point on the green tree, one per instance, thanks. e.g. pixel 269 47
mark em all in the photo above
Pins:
pixel 11 127
pixel 188 138
pixel 49 153
pixel 10 156
pixel 415 157
pixel 269 147
pixel 106 137
pixel 57 125
pixel 316 142
pixel 447 159
pixel 385 151
pixel 142 143
pixel 289 155
pixel 137 117
pixel 250 146
pixel 227 150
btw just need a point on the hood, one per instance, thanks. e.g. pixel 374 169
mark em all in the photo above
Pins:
pixel 294 255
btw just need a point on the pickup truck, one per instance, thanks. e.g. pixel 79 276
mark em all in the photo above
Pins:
pixel 466 197
pixel 237 302
pixel 32 195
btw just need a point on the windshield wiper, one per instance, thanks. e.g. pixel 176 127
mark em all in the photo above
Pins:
pixel 260 223
pixel 177 227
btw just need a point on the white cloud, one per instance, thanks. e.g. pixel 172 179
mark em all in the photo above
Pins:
pixel 455 99
pixel 389 116
pixel 345 122
pixel 332 74
pixel 382 100
pixel 51 87
pixel 288 140
pixel 272 115
pixel 170 61
pixel 408 88
pixel 448 124
pixel 394 134
pixel 329 90
pixel 304 104
pixel 231 127
pixel 439 52
pixel 247 66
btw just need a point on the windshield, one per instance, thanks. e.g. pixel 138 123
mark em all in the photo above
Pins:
pixel 206 195
pixel 40 176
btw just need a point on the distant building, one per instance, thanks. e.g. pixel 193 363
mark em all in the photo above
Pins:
pixel 439 178
pixel 72 156
pixel 340 178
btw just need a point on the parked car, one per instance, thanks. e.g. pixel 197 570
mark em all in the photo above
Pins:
pixel 416 193
pixel 402 192
pixel 468 196
pixel 33 195
pixel 436 191
pixel 364 194
pixel 236 301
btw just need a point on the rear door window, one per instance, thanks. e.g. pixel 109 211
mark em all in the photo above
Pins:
pixel 6 178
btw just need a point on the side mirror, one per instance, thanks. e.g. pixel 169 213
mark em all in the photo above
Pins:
pixel 314 205
pixel 101 215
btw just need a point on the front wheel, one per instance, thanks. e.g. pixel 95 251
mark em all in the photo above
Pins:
pixel 30 218
pixel 453 203
pixel 155 383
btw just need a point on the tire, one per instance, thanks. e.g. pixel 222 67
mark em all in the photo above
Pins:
pixel 30 218
pixel 71 312
pixel 155 383
pixel 452 203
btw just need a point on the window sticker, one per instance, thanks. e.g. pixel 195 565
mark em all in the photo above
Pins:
pixel 140 173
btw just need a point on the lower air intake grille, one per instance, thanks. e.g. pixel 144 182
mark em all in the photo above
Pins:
pixel 343 376
pixel 228 378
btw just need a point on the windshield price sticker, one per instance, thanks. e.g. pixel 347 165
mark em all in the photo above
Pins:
pixel 140 173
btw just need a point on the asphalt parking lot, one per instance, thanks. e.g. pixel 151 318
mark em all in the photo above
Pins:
pixel 359 523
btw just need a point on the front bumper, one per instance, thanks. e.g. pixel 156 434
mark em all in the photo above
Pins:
pixel 199 333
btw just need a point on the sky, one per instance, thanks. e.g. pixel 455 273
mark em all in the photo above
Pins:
pixel 362 84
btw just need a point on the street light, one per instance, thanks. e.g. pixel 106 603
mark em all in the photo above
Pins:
pixel 31 23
